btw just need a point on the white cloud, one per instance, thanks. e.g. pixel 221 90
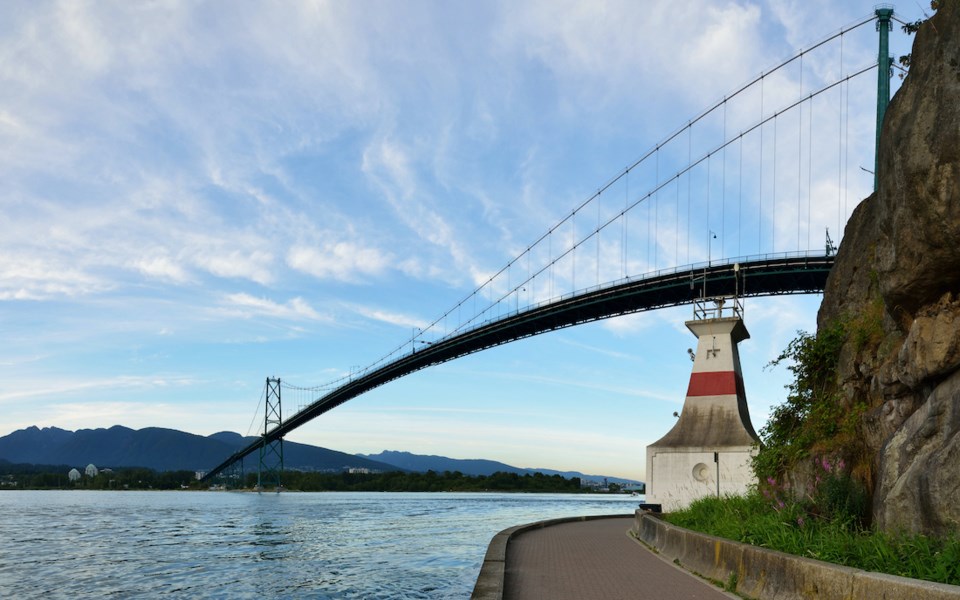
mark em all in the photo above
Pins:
pixel 605 50
pixel 68 387
pixel 388 316
pixel 24 277
pixel 343 261
pixel 247 306
pixel 631 324
pixel 162 267
pixel 254 266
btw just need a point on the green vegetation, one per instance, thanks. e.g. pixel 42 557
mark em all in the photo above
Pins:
pixel 812 418
pixel 817 420
pixel 37 477
pixel 818 531
pixel 423 482
pixel 43 477
pixel 910 29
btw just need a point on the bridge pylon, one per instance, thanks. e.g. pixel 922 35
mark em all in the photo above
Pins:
pixel 270 471
pixel 709 449
pixel 234 476
pixel 884 13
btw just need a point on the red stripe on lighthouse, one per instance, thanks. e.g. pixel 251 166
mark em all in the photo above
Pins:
pixel 717 383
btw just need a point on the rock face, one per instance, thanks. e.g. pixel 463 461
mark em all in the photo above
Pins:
pixel 897 282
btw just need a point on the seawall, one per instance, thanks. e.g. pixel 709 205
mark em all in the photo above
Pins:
pixel 767 574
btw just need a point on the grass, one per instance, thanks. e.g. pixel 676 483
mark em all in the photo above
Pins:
pixel 796 529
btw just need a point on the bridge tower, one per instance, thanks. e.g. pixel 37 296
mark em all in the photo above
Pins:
pixel 884 13
pixel 271 453
pixel 709 448
pixel 234 476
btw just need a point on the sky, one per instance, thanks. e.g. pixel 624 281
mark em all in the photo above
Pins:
pixel 200 195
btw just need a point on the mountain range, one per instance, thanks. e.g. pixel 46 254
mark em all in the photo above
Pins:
pixel 422 463
pixel 172 450
pixel 160 449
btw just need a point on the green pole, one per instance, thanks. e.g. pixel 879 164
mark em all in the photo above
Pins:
pixel 884 12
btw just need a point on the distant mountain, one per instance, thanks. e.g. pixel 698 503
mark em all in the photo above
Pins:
pixel 423 463
pixel 172 450
pixel 159 449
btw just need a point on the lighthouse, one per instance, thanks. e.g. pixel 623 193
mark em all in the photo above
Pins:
pixel 709 448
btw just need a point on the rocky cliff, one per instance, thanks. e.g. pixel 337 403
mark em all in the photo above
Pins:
pixel 897 284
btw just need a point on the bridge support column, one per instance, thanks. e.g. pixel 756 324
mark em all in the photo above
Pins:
pixel 271 453
pixel 234 476
pixel 884 13
pixel 708 450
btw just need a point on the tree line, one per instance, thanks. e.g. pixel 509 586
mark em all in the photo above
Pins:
pixel 38 477
pixel 42 477
pixel 430 481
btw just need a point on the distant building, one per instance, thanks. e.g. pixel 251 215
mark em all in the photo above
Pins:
pixel 91 470
pixel 198 475
pixel 73 475
pixel 361 470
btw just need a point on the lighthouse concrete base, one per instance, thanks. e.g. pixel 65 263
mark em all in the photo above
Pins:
pixel 678 476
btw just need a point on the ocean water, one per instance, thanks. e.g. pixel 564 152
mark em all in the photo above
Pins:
pixel 75 544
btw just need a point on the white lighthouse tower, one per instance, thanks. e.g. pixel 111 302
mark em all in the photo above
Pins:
pixel 708 451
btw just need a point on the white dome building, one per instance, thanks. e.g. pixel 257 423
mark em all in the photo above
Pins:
pixel 91 470
pixel 73 475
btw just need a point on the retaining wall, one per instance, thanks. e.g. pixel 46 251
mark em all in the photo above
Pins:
pixel 766 574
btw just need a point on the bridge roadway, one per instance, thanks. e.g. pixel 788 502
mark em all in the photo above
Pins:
pixel 757 276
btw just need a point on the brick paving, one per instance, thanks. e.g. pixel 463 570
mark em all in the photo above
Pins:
pixel 583 560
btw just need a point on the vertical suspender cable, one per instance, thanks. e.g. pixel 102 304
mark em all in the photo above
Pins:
pixel 810 174
pixel 840 145
pixel 623 245
pixel 552 262
pixel 649 225
pixel 723 192
pixel 676 234
pixel 799 151
pixel 846 159
pixel 656 211
pixel 740 201
pixel 709 162
pixel 773 216
pixel 573 252
pixel 689 177
pixel 760 197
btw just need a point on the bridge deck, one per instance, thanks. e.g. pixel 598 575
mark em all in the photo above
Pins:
pixel 759 276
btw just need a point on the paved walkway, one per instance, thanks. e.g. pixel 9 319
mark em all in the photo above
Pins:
pixel 582 560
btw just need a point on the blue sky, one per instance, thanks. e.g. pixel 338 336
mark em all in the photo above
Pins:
pixel 200 195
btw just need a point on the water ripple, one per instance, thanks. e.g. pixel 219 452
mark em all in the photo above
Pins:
pixel 75 544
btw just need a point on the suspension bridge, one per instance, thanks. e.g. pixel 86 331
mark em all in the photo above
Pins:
pixel 740 200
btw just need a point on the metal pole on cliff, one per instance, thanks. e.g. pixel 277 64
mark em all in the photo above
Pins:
pixel 884 13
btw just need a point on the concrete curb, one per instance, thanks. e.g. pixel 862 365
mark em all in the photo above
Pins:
pixel 489 584
pixel 766 574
